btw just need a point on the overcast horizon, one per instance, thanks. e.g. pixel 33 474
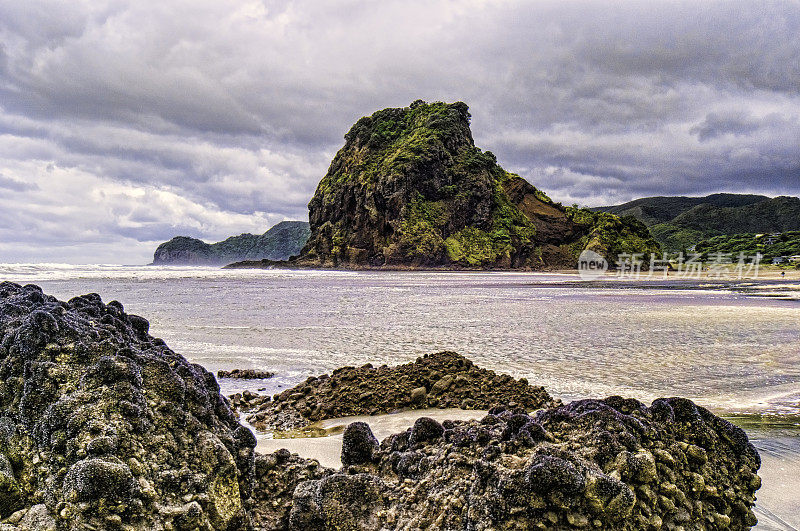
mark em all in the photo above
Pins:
pixel 123 124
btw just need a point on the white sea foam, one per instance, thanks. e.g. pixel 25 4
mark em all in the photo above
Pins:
pixel 55 271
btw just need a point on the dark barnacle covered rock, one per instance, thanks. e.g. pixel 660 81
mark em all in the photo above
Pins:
pixel 443 379
pixel 358 444
pixel 247 400
pixel 245 374
pixel 601 464
pixel 277 476
pixel 425 429
pixel 104 427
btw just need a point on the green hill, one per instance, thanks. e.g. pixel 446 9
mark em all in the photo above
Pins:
pixel 655 210
pixel 280 242
pixel 681 222
pixel 770 246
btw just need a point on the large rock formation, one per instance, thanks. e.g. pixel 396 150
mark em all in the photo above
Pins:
pixel 444 380
pixel 410 189
pixel 607 464
pixel 280 242
pixel 104 427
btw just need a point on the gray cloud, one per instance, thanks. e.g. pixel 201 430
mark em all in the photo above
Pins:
pixel 716 125
pixel 740 123
pixel 16 186
pixel 211 119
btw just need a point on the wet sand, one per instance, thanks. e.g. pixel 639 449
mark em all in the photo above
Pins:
pixel 778 505
pixel 764 273
pixel 326 444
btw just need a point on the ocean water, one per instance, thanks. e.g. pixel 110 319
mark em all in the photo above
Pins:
pixel 731 347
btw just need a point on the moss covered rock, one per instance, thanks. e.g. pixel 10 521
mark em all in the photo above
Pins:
pixel 595 464
pixel 443 379
pixel 410 189
pixel 104 427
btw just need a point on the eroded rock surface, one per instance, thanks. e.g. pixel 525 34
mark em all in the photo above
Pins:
pixel 104 427
pixel 277 476
pixel 247 400
pixel 602 464
pixel 409 189
pixel 443 380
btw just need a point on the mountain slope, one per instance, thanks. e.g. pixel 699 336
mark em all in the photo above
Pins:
pixel 680 222
pixel 280 242
pixel 409 188
pixel 769 246
pixel 654 210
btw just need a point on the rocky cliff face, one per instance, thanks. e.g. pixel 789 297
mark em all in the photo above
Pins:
pixel 409 188
pixel 280 242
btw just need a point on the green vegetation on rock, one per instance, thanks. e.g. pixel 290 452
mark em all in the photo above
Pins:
pixel 410 188
pixel 679 223
pixel 612 235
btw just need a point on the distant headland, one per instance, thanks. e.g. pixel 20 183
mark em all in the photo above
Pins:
pixel 280 242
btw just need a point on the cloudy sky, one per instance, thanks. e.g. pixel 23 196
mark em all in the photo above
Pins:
pixel 124 123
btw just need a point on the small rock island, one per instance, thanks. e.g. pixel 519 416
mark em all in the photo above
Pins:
pixel 410 189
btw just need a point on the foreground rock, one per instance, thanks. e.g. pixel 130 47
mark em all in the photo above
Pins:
pixel 443 380
pixel 247 400
pixel 277 476
pixel 607 464
pixel 104 427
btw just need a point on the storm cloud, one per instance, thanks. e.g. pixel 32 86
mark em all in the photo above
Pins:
pixel 125 123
